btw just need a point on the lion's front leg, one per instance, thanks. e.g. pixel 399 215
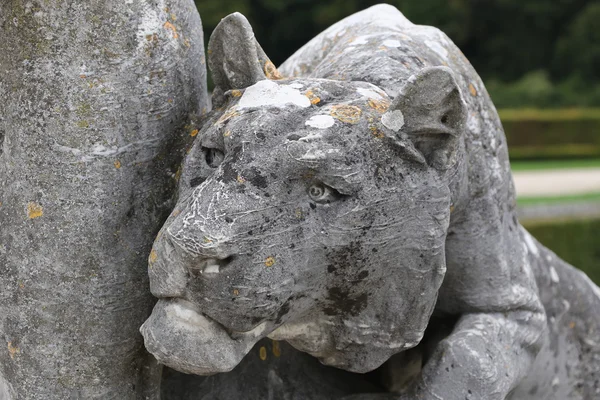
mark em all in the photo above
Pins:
pixel 491 287
pixel 485 357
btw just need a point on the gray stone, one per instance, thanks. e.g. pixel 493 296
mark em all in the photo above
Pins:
pixel 348 224
pixel 97 103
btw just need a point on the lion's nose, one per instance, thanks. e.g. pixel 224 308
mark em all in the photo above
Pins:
pixel 166 268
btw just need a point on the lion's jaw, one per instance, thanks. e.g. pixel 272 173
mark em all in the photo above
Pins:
pixel 179 335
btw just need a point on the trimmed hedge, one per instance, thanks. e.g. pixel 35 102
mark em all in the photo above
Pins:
pixel 552 134
pixel 575 241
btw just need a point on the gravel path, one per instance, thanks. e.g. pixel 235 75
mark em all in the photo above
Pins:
pixel 557 182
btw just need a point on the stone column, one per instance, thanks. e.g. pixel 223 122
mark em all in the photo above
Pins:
pixel 98 100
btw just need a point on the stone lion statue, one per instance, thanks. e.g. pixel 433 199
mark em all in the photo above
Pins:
pixel 345 202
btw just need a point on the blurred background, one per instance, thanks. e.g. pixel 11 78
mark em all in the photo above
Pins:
pixel 540 61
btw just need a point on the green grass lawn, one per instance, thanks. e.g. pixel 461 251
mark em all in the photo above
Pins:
pixel 575 241
pixel 527 201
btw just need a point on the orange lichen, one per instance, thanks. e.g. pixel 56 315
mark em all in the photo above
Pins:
pixel 262 353
pixel 314 99
pixel 13 350
pixel 270 261
pixel 227 116
pixel 346 113
pixel 236 292
pixel 172 28
pixel 472 90
pixel 34 210
pixel 236 93
pixel 572 325
pixel 276 349
pixel 380 106
pixel 240 179
pixel 117 164
pixel 153 257
pixel 271 71
pixel 376 132
pixel 194 133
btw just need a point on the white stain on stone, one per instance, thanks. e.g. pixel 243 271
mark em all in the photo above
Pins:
pixel 392 43
pixel 320 121
pixel 184 311
pixel 437 48
pixel 393 120
pixel 297 85
pixel 369 93
pixel 554 275
pixel 530 244
pixel 150 24
pixel 360 40
pixel 268 93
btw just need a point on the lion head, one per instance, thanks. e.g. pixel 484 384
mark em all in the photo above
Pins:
pixel 313 211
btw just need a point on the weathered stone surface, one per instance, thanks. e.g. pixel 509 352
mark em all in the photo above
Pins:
pixel 345 222
pixel 271 371
pixel 97 99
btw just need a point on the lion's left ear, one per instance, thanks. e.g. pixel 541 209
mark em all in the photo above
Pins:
pixel 235 58
pixel 433 112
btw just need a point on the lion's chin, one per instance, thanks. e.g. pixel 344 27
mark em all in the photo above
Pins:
pixel 179 336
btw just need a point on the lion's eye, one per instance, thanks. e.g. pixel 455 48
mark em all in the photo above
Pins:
pixel 321 193
pixel 213 157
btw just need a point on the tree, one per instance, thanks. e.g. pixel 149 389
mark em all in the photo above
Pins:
pixel 99 100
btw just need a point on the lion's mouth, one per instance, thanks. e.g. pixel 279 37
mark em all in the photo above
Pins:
pixel 183 338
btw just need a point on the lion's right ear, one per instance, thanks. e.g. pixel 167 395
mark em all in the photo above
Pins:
pixel 235 58
pixel 431 112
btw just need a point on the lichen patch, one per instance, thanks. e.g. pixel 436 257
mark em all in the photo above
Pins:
pixel 169 26
pixel 153 257
pixel 314 99
pixel 380 106
pixel 276 349
pixel 320 121
pixel 346 113
pixel 393 120
pixel 13 350
pixel 472 90
pixel 271 71
pixel 34 210
pixel 270 261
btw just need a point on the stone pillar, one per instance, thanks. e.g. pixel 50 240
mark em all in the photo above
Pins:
pixel 98 100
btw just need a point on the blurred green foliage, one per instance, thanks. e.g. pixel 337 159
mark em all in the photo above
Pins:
pixel 552 134
pixel 576 242
pixel 537 52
